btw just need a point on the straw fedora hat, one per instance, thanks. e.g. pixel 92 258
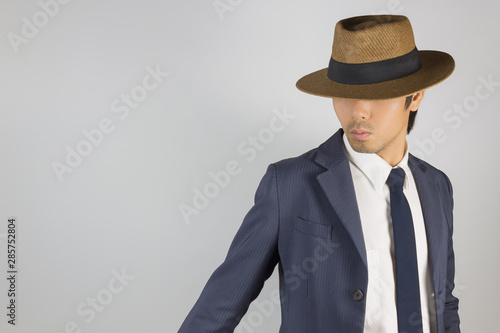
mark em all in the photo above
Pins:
pixel 375 57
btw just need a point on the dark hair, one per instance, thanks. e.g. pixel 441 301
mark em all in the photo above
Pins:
pixel 413 114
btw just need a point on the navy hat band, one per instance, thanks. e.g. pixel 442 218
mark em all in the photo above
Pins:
pixel 374 72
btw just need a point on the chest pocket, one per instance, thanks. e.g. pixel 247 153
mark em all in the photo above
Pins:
pixel 312 229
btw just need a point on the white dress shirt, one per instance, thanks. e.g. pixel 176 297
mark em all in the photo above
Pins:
pixel 369 174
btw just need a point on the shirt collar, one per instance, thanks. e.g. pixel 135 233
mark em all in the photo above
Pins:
pixel 374 167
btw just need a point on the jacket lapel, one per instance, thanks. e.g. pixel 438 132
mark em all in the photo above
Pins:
pixel 434 219
pixel 337 184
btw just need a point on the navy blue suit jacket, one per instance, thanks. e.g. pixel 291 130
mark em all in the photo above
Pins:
pixel 306 220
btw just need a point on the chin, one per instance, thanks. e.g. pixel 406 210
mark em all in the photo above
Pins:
pixel 361 147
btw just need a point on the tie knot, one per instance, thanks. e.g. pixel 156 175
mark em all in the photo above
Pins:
pixel 396 179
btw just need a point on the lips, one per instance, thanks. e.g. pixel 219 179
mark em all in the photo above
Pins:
pixel 360 134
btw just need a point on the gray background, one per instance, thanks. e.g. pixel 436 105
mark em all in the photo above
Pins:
pixel 118 210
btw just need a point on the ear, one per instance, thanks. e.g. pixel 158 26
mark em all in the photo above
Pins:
pixel 416 100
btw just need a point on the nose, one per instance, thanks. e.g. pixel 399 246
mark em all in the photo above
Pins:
pixel 361 110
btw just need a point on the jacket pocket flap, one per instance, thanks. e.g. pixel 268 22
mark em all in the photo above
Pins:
pixel 312 228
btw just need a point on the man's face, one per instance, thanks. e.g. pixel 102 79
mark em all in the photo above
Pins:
pixel 376 126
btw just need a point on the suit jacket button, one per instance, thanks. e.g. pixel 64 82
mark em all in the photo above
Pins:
pixel 358 295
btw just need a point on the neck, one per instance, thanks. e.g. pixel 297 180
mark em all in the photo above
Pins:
pixel 395 154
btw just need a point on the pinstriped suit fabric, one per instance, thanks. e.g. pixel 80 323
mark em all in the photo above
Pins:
pixel 305 220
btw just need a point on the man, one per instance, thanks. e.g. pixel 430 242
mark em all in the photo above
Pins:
pixel 360 229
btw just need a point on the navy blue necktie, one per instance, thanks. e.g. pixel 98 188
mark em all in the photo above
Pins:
pixel 407 289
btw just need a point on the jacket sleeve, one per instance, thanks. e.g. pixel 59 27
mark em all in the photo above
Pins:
pixel 451 318
pixel 250 261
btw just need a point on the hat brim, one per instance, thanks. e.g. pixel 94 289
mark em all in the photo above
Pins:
pixel 436 67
